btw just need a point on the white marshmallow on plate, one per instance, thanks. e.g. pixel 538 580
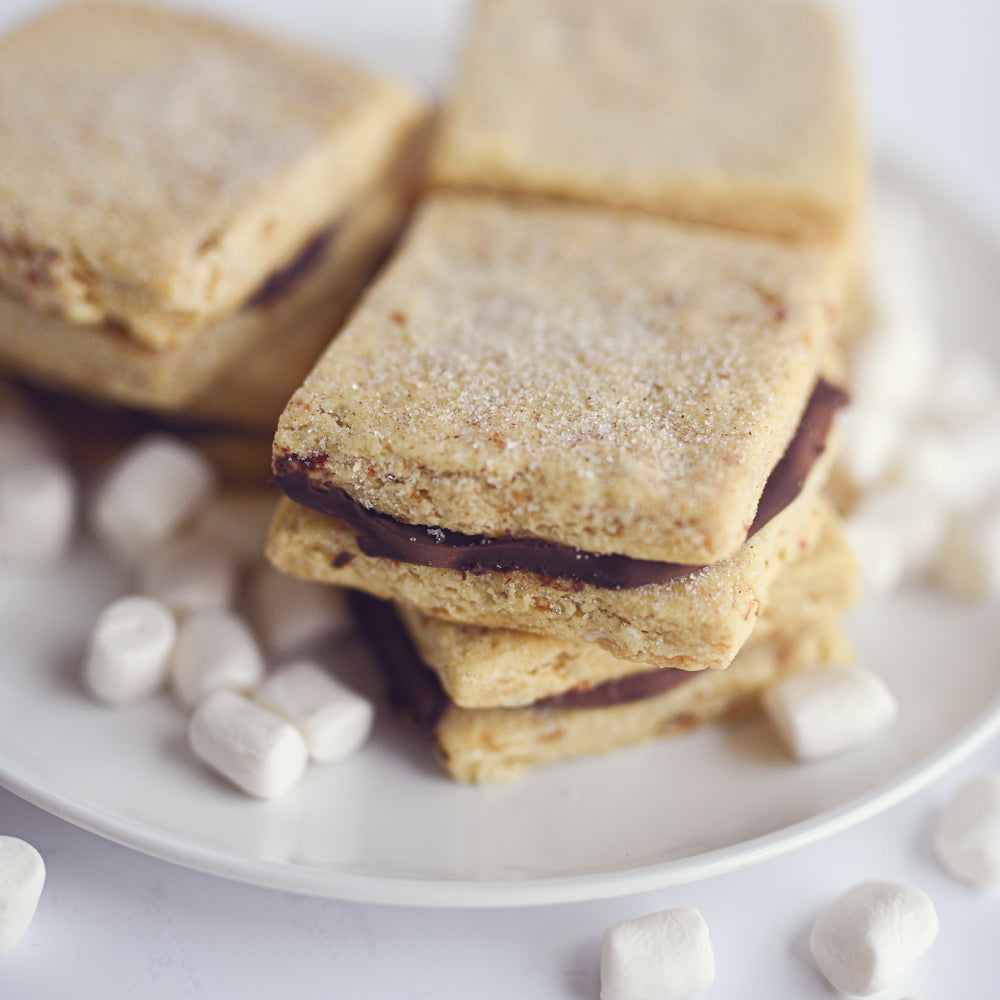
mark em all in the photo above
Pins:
pixel 22 878
pixel 238 520
pixel 895 362
pixel 215 650
pixel 880 551
pixel 291 613
pixel 246 743
pixel 867 937
pixel 870 434
pixel 129 649
pixel 824 712
pixel 661 956
pixel 38 501
pixel 968 564
pixel 334 720
pixel 917 521
pixel 190 574
pixel 966 386
pixel 152 489
pixel 967 835
pixel 959 466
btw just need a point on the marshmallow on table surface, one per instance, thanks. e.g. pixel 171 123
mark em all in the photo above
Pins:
pixel 215 650
pixel 22 877
pixel 238 521
pixel 967 836
pixel 827 711
pixel 37 511
pixel 865 939
pixel 246 743
pixel 129 650
pixel 153 488
pixel 290 613
pixel 190 574
pixel 662 956
pixel 334 720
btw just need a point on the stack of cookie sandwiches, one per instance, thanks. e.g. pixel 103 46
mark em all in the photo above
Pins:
pixel 187 210
pixel 577 433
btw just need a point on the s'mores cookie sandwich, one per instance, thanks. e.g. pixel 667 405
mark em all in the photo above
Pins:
pixel 185 205
pixel 586 411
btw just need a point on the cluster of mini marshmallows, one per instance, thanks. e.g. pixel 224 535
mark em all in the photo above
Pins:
pixel 920 434
pixel 862 942
pixel 187 546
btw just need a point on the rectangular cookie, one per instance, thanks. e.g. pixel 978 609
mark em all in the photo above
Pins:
pixel 500 744
pixel 499 668
pixel 613 384
pixel 240 369
pixel 159 166
pixel 717 111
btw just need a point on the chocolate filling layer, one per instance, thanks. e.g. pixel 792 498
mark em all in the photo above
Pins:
pixel 381 536
pixel 415 689
pixel 280 282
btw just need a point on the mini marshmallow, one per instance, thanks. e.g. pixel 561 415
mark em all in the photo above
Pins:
pixel 37 511
pixel 152 489
pixel 290 613
pixel 871 433
pixel 918 521
pixel 824 712
pixel 190 574
pixel 880 551
pixel 251 746
pixel 215 650
pixel 865 939
pixel 966 385
pixel 238 521
pixel 22 876
pixel 967 836
pixel 662 956
pixel 129 650
pixel 968 564
pixel 959 466
pixel 895 362
pixel 334 720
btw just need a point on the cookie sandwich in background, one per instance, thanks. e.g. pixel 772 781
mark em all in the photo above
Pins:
pixel 188 210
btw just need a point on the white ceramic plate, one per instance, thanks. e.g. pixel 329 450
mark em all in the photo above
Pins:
pixel 386 827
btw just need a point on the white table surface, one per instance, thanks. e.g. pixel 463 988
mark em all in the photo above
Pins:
pixel 113 923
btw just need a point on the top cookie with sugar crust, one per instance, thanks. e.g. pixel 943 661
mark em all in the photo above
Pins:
pixel 159 166
pixel 718 111
pixel 613 382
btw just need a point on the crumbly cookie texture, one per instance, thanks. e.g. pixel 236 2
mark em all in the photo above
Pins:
pixel 716 111
pixel 613 382
pixel 157 166
pixel 500 744
pixel 240 369
pixel 695 621
pixel 499 668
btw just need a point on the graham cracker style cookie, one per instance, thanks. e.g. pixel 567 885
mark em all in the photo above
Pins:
pixel 499 744
pixel 176 193
pixel 719 111
pixel 612 383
